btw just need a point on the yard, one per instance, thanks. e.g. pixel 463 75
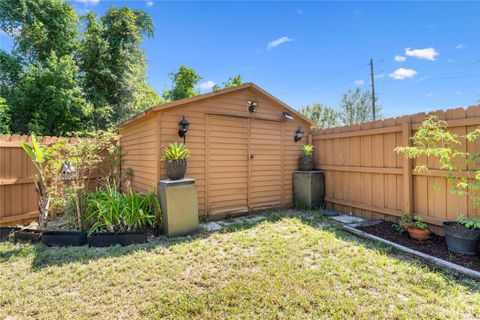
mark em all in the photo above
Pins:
pixel 293 265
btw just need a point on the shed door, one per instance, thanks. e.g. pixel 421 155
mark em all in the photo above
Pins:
pixel 266 154
pixel 227 164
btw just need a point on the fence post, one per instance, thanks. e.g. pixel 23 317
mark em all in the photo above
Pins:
pixel 407 170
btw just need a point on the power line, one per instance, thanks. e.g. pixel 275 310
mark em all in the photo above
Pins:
pixel 323 80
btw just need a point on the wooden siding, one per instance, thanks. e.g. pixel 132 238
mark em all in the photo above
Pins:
pixel 233 104
pixel 365 177
pixel 139 144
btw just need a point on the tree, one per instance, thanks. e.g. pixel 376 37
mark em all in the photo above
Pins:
pixel 4 117
pixel 322 115
pixel 356 107
pixel 48 100
pixel 114 66
pixel 232 82
pixel 183 84
pixel 40 27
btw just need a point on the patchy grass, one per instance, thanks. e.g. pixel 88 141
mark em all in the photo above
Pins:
pixel 286 267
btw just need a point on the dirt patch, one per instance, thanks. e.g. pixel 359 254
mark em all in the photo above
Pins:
pixel 436 246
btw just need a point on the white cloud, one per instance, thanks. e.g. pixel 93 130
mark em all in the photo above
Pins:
pixel 460 46
pixel 278 42
pixel 149 3
pixel 358 82
pixel 402 73
pixel 380 75
pixel 207 85
pixel 92 3
pixel 427 53
pixel 458 92
pixel 399 58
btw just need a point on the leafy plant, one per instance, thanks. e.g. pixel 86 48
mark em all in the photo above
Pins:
pixel 111 211
pixel 175 151
pixel 409 221
pixel 434 140
pixel 37 152
pixel 307 150
pixel 469 223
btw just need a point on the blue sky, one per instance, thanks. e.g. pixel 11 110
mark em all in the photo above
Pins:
pixel 307 52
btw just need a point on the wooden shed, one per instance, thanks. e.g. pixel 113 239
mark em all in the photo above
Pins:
pixel 241 160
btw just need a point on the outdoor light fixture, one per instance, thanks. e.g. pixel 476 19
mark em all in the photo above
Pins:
pixel 252 105
pixel 287 116
pixel 298 135
pixel 183 124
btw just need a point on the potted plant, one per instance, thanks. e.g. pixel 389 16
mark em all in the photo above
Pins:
pixel 306 160
pixel 175 158
pixel 432 139
pixel 6 232
pixel 115 218
pixel 463 235
pixel 414 225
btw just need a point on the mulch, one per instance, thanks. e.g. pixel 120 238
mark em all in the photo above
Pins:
pixel 435 246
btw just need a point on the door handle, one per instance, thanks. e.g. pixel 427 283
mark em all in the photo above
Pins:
pixel 252 156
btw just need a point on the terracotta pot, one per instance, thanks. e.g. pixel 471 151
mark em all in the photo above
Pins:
pixel 419 234
pixel 306 163
pixel 176 169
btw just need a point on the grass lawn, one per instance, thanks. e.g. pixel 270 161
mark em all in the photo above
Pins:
pixel 286 267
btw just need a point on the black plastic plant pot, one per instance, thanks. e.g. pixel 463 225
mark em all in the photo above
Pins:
pixel 6 232
pixel 461 239
pixel 29 235
pixel 64 238
pixel 107 239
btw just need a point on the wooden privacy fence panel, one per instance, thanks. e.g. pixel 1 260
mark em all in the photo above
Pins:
pixel 364 176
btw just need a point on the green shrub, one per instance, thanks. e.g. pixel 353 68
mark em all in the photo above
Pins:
pixel 108 210
pixel 307 150
pixel 175 151
pixel 409 221
pixel 469 223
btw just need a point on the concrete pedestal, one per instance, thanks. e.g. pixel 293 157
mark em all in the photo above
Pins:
pixel 308 189
pixel 179 203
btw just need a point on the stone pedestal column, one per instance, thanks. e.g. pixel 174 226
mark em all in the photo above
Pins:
pixel 308 189
pixel 179 203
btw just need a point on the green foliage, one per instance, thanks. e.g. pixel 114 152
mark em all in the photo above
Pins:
pixel 434 140
pixel 356 107
pixel 175 151
pixel 114 66
pixel 183 84
pixel 307 150
pixel 40 155
pixel 48 100
pixel 40 27
pixel 111 211
pixel 4 117
pixel 232 82
pixel 322 115
pixel 409 221
pixel 469 223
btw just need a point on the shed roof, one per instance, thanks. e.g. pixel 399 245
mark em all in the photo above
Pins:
pixel 182 102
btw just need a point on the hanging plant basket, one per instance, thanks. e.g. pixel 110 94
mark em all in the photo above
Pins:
pixel 176 169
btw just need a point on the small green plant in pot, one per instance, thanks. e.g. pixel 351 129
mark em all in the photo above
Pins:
pixel 175 157
pixel 415 226
pixel 306 161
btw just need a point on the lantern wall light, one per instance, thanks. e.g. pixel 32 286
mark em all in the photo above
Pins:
pixel 298 135
pixel 183 128
pixel 252 105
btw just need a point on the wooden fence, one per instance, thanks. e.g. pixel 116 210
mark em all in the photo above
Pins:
pixel 365 177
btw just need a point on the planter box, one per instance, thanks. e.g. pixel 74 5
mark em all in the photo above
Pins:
pixel 107 239
pixel 30 235
pixel 5 232
pixel 64 238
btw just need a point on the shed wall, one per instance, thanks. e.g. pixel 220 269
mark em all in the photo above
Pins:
pixel 231 104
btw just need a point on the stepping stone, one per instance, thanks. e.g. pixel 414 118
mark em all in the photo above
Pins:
pixel 212 226
pixel 347 219
pixel 255 219
pixel 330 213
